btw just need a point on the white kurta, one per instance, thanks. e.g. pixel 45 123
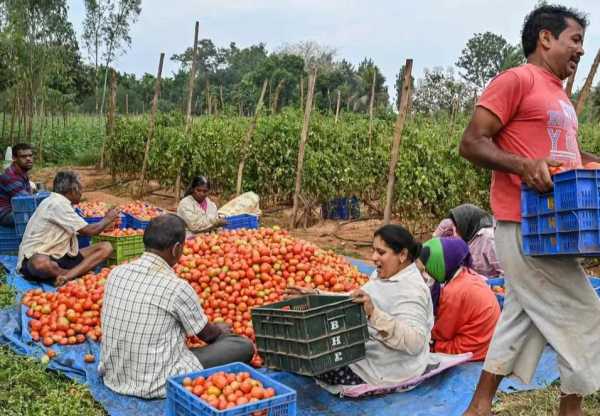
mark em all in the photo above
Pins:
pixel 196 219
pixel 549 300
pixel 52 230
pixel 399 328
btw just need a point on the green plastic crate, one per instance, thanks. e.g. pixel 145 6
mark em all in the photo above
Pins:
pixel 312 334
pixel 124 248
pixel 313 366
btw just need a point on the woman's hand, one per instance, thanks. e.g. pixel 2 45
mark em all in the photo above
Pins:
pixel 295 291
pixel 360 296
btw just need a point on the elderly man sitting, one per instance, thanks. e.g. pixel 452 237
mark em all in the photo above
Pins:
pixel 49 251
pixel 148 312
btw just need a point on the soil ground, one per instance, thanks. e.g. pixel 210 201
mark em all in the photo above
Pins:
pixel 349 238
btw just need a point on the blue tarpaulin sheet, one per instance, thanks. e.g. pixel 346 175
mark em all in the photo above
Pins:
pixel 446 394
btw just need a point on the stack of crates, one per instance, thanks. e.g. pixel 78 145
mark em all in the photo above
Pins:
pixel 310 335
pixel 85 241
pixel 9 241
pixel 181 402
pixel 565 221
pixel 124 248
pixel 341 209
pixel 23 208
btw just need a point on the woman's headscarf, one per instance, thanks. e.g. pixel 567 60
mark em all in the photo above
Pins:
pixel 442 257
pixel 469 219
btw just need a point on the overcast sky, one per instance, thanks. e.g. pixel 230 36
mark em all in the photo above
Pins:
pixel 432 32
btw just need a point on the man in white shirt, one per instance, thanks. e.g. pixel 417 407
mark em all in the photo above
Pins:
pixel 147 313
pixel 49 250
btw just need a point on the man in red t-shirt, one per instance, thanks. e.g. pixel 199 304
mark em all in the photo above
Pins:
pixel 524 124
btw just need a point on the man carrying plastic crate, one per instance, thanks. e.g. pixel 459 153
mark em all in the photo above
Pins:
pixel 523 124
pixel 147 314
pixel 15 181
pixel 49 250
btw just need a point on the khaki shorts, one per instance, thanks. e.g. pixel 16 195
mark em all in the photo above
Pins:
pixel 549 300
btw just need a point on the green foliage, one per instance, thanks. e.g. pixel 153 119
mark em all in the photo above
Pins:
pixel 27 388
pixel 7 293
pixel 75 141
pixel 485 55
pixel 431 176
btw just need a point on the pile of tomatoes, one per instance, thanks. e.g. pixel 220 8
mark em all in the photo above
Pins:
pixel 71 314
pixel 234 271
pixel 142 210
pixel 93 209
pixel 123 232
pixel 228 390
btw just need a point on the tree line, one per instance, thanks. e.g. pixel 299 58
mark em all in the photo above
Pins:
pixel 46 70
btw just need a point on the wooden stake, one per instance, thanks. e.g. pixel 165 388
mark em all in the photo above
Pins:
pixel 585 90
pixel 190 98
pixel 569 87
pixel 371 107
pixel 337 107
pixel 303 137
pixel 301 92
pixel 406 92
pixel 207 87
pixel 12 119
pixel 151 123
pixel 222 100
pixel 110 116
pixel 126 104
pixel 248 137
pixel 278 90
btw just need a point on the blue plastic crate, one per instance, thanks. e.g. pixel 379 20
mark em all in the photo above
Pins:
pixel 576 189
pixel 133 222
pixel 84 241
pixel 546 204
pixel 595 282
pixel 529 202
pixel 529 225
pixel 23 203
pixel 547 223
pixel 181 402
pixel 532 245
pixel 94 220
pixel 21 220
pixel 579 242
pixel 499 281
pixel 9 241
pixel 28 203
pixel 575 220
pixel 7 232
pixel 241 221
pixel 341 209
pixel 550 244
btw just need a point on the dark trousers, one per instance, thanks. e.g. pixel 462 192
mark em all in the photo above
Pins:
pixel 226 349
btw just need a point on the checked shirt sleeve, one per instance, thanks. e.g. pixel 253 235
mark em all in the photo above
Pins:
pixel 189 311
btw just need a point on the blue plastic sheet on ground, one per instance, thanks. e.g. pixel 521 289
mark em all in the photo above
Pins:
pixel 446 394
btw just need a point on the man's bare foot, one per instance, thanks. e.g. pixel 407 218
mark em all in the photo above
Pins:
pixel 472 411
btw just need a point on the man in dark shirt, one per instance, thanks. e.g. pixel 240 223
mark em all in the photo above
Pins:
pixel 15 181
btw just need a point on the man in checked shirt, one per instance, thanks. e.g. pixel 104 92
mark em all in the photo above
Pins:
pixel 148 312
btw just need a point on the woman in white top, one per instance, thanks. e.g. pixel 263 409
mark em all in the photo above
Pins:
pixel 399 310
pixel 196 208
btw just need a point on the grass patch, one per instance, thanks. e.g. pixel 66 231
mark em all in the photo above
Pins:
pixel 28 388
pixel 7 293
pixel 540 403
